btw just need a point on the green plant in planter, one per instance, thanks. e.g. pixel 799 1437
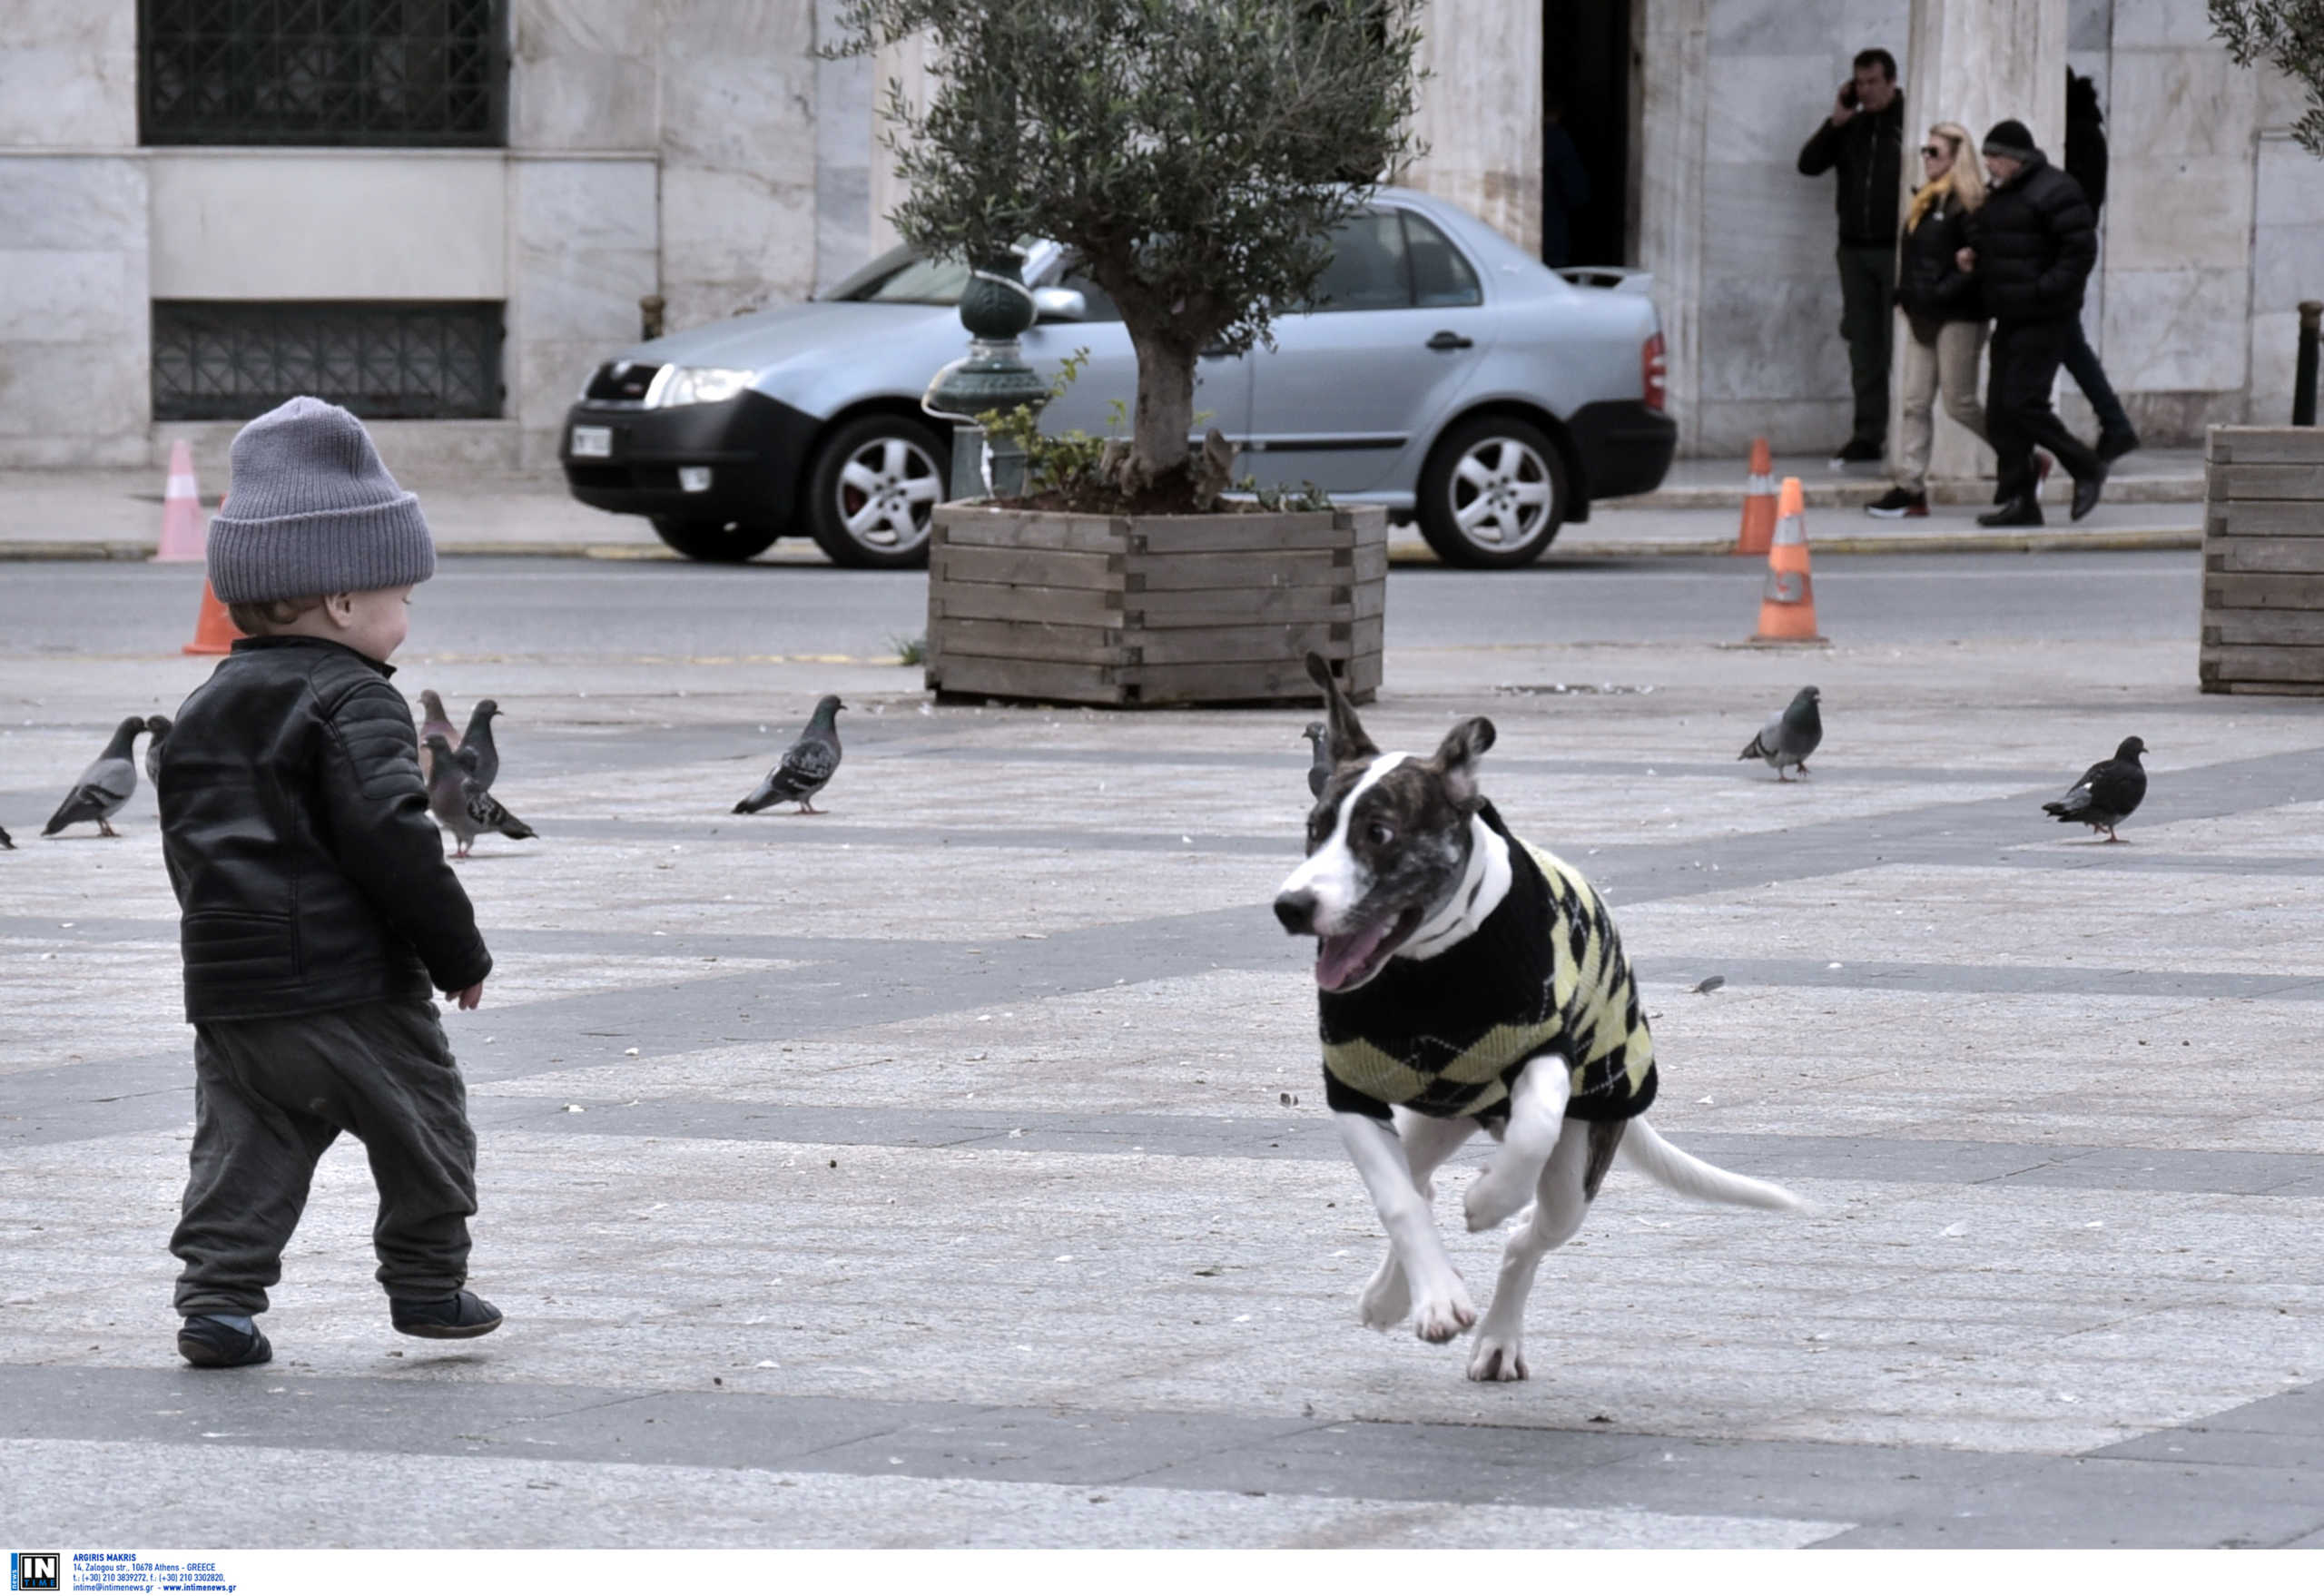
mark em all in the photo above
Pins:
pixel 1195 155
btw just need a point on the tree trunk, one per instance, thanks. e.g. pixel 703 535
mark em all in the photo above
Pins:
pixel 1165 417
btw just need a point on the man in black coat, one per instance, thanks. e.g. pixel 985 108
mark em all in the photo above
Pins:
pixel 2085 162
pixel 2031 246
pixel 1863 137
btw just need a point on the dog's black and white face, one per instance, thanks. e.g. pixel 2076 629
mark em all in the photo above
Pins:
pixel 1388 842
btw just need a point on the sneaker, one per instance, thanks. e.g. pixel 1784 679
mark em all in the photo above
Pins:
pixel 1856 451
pixel 213 1344
pixel 2113 446
pixel 455 1318
pixel 1896 503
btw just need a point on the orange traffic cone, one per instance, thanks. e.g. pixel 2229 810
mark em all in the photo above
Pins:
pixel 1787 603
pixel 183 532
pixel 1758 503
pixel 214 629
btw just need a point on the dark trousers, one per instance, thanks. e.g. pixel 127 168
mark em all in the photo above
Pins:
pixel 1868 292
pixel 2022 367
pixel 2082 365
pixel 271 1095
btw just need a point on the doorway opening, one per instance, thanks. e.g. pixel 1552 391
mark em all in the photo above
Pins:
pixel 1589 99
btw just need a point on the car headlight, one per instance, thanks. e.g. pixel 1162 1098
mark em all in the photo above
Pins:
pixel 695 385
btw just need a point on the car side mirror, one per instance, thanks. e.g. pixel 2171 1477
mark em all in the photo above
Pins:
pixel 1060 304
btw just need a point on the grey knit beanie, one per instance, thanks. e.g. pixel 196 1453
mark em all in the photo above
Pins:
pixel 2009 139
pixel 311 511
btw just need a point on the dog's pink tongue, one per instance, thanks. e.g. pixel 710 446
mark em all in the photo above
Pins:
pixel 1338 958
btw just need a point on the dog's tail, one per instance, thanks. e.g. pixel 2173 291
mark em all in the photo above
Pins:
pixel 1688 1176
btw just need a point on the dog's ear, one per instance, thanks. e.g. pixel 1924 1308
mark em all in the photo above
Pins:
pixel 1456 759
pixel 1349 742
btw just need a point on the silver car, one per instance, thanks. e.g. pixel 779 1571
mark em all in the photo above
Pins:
pixel 1440 370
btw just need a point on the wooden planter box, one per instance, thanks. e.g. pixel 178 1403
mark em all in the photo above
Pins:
pixel 2263 560
pixel 1139 611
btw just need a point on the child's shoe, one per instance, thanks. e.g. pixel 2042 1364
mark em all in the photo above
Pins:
pixel 208 1342
pixel 455 1318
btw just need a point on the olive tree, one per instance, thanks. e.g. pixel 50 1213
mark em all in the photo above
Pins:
pixel 2288 35
pixel 1193 154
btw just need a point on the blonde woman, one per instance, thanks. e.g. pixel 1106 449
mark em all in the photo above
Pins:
pixel 1942 309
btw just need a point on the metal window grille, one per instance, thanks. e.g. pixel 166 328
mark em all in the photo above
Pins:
pixel 322 72
pixel 228 360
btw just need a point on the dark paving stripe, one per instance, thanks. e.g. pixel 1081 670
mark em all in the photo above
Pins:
pixel 2137 1494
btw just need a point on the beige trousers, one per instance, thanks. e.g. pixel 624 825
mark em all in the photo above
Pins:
pixel 1950 364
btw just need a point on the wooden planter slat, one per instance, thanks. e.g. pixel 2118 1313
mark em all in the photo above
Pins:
pixel 2265 517
pixel 1135 611
pixel 1035 640
pixel 1198 572
pixel 2266 445
pixel 2295 556
pixel 1047 567
pixel 2264 561
pixel 2300 628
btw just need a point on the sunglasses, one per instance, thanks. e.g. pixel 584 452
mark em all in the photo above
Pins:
pixel 1930 152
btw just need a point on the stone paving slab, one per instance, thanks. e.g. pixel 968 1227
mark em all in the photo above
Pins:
pixel 2033 1240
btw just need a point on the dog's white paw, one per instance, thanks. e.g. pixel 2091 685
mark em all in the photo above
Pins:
pixel 1497 1358
pixel 1445 1314
pixel 1492 1197
pixel 1387 1299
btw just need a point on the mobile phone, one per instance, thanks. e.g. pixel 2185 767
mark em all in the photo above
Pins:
pixel 1848 93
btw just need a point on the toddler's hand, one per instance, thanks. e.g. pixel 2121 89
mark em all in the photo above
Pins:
pixel 470 998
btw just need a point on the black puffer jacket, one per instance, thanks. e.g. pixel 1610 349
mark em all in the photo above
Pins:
pixel 1869 152
pixel 1931 287
pixel 298 839
pixel 2036 241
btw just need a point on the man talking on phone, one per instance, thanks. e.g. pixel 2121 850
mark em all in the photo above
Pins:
pixel 1863 137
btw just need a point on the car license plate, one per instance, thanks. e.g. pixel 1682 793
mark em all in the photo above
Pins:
pixel 593 443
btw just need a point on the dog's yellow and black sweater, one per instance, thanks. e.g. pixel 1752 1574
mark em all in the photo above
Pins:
pixel 1448 1036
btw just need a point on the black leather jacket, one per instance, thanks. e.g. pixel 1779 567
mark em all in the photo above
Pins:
pixel 298 839
pixel 1869 153
pixel 2036 240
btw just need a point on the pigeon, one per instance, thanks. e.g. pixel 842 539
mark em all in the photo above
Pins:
pixel 1320 769
pixel 476 750
pixel 159 725
pixel 805 766
pixel 1788 738
pixel 104 787
pixel 463 808
pixel 2107 793
pixel 436 724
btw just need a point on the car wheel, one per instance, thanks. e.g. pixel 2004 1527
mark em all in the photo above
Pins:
pixel 1493 493
pixel 722 543
pixel 876 481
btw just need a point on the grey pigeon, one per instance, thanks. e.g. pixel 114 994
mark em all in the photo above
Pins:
pixel 476 750
pixel 159 725
pixel 1319 770
pixel 104 787
pixel 1789 738
pixel 436 723
pixel 2107 793
pixel 463 808
pixel 805 767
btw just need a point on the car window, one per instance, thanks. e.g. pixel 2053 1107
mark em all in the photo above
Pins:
pixel 1102 303
pixel 1442 275
pixel 1368 268
pixel 900 276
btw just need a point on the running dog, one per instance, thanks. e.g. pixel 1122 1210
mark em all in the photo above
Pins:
pixel 1467 979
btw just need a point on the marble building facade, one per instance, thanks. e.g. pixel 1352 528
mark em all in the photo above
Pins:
pixel 701 150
